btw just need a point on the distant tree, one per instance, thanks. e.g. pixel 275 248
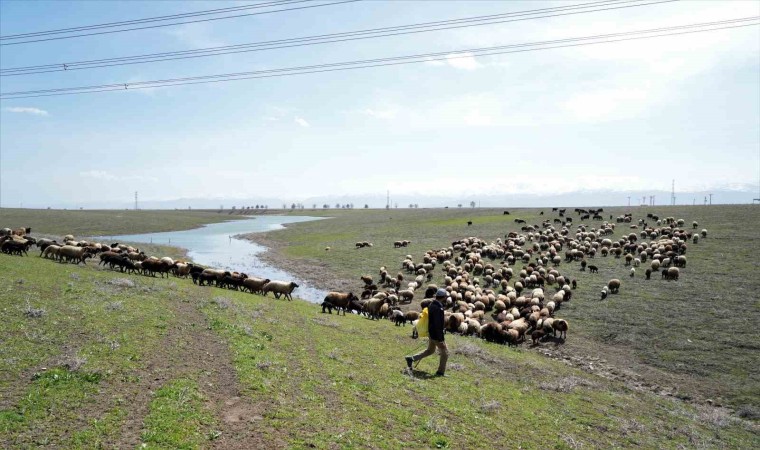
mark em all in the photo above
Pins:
pixel 233 208
pixel 459 205
pixel 293 206
pixel 326 206
pixel 472 204
pixel 314 206
pixel 366 206
pixel 337 205
pixel 416 205
pixel 284 206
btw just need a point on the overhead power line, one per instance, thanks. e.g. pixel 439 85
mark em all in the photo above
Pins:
pixel 147 20
pixel 287 2
pixel 399 60
pixel 416 28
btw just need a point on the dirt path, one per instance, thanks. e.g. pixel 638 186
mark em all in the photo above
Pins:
pixel 191 349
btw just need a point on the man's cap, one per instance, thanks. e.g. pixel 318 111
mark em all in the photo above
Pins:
pixel 441 293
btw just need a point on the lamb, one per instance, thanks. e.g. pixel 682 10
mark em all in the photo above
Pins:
pixel 280 288
pixel 633 272
pixel 398 317
pixel 605 291
pixel 614 285
pixel 339 300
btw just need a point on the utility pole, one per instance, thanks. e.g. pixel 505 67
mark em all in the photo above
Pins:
pixel 388 200
pixel 710 199
pixel 629 201
pixel 136 203
pixel 673 193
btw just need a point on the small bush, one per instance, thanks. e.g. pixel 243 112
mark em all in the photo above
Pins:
pixel 122 282
pixel 748 412
pixel 490 406
pixel 31 312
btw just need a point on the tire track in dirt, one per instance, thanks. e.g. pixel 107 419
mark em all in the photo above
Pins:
pixel 192 349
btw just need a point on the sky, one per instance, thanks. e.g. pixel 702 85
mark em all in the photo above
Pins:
pixel 626 116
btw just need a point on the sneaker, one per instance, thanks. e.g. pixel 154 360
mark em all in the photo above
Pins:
pixel 409 361
pixel 440 374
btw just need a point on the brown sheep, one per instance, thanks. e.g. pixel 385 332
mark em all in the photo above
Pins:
pixel 339 300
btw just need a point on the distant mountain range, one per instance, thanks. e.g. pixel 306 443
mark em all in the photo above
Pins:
pixel 730 194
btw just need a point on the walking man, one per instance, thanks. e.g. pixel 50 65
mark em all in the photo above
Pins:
pixel 435 334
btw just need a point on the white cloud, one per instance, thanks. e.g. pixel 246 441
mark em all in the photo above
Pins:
pixel 379 114
pixel 27 110
pixel 464 61
pixel 609 104
pixel 108 176
pixel 300 121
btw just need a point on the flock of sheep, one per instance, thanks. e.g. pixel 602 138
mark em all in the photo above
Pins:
pixel 487 296
pixel 128 259
pixel 491 299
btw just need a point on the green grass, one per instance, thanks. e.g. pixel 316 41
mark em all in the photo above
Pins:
pixel 73 377
pixel 177 417
pixel 328 379
pixel 107 222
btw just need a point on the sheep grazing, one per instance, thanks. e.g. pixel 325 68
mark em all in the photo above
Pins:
pixel 339 301
pixel 327 249
pixel 672 274
pixel 561 326
pixel 605 291
pixel 280 288
pixel 614 285
pixel 648 273
pixel 704 233
pixel 536 336
pixel 632 272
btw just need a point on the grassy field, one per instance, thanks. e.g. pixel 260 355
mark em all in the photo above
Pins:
pixel 107 222
pixel 691 338
pixel 96 359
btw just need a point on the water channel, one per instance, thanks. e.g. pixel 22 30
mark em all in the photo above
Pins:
pixel 214 245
